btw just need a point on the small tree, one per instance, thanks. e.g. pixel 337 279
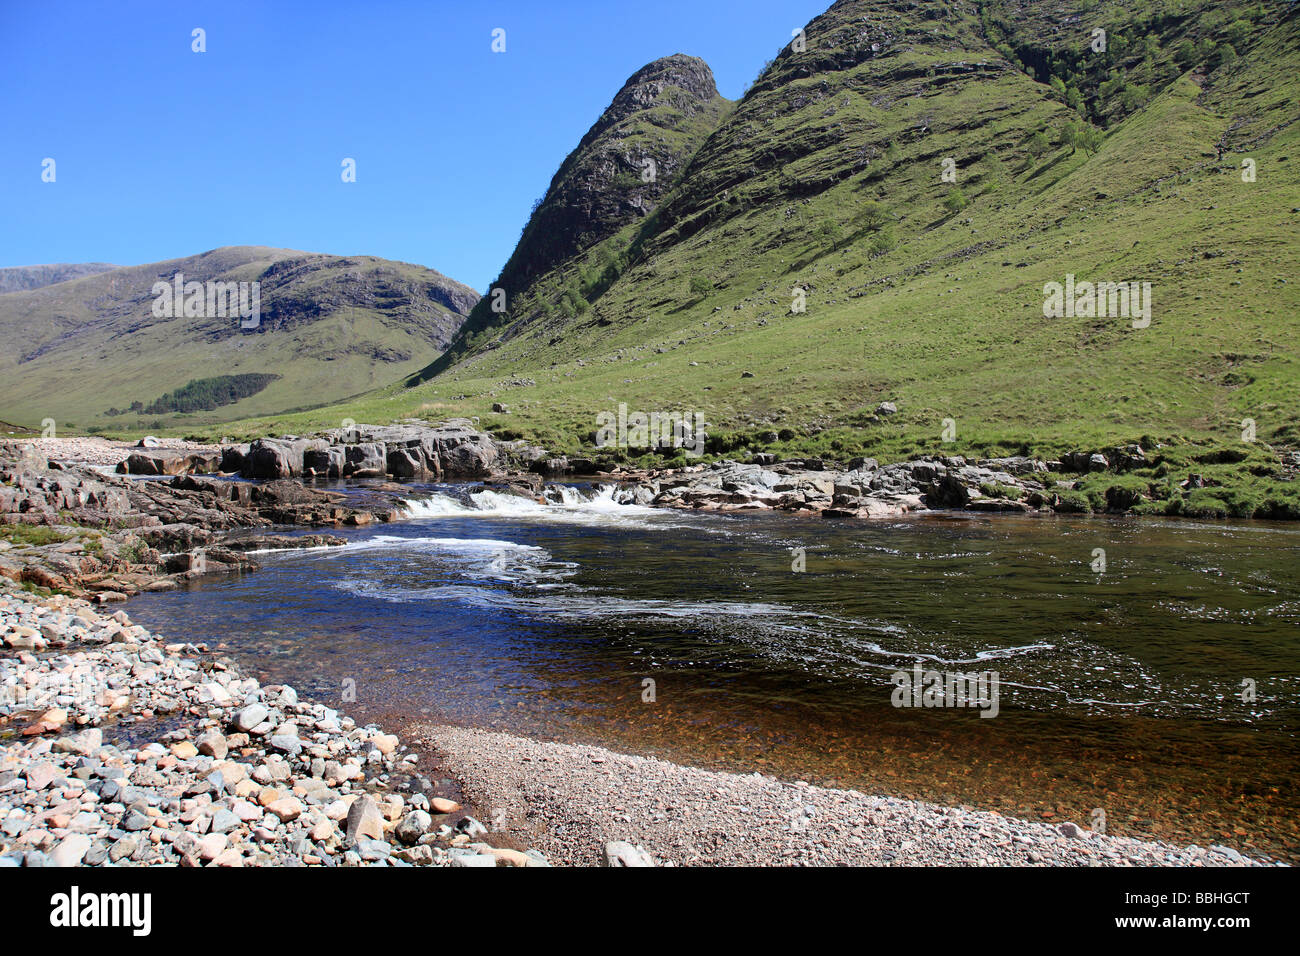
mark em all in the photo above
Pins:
pixel 995 174
pixel 1082 136
pixel 884 241
pixel 1224 53
pixel 955 201
pixel 1133 97
pixel 1038 145
pixel 830 230
pixel 873 215
pixel 1237 32
pixel 700 286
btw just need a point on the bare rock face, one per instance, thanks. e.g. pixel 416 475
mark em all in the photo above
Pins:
pixel 601 186
pixel 270 458
pixel 365 460
pixel 168 461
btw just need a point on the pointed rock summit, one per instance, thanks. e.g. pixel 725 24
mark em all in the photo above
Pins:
pixel 622 166
pixel 617 174
pixel 685 82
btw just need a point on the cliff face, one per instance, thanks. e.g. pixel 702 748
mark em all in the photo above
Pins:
pixel 623 166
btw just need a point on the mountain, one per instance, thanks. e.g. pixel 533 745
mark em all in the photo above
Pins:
pixel 93 352
pixel 24 278
pixel 881 218
pixel 615 177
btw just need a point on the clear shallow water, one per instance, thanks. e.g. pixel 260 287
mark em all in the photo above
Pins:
pixel 1119 691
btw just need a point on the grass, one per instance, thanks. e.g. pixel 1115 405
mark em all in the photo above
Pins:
pixel 32 535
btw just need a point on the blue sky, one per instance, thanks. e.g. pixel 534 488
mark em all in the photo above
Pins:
pixel 162 152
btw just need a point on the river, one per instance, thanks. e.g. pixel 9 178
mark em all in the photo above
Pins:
pixel 1148 672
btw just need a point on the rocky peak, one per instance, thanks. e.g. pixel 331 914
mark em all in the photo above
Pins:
pixel 687 81
pixel 618 174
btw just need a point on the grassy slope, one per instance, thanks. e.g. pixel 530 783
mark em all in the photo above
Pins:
pixel 949 323
pixel 91 344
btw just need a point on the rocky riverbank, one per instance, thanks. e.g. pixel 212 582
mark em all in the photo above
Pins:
pixel 119 748
pixel 68 528
pixel 68 525
pixel 590 806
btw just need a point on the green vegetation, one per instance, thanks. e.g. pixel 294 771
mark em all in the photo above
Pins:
pixel 1115 51
pixel 1072 502
pixel 994 490
pixel 205 394
pixel 134 551
pixel 32 535
pixel 331 327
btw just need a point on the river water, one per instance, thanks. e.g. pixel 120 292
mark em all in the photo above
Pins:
pixel 1157 695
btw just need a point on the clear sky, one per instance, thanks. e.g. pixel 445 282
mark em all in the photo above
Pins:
pixel 161 152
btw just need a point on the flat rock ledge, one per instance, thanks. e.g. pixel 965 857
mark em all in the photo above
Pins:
pixel 863 488
pixel 589 806
pixel 121 749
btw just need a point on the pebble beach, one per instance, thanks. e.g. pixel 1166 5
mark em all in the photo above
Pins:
pixel 120 748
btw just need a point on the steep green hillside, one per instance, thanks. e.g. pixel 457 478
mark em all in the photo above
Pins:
pixel 826 184
pixel 90 352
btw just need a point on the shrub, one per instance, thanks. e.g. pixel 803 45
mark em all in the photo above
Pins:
pixel 830 230
pixel 884 241
pixel 1203 503
pixel 1072 502
pixel 873 215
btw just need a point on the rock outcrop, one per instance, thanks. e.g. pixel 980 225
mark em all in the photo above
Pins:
pixel 83 532
pixel 454 451
pixel 863 490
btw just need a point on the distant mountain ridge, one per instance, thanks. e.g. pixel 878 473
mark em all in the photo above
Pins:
pixel 25 278
pixel 329 327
